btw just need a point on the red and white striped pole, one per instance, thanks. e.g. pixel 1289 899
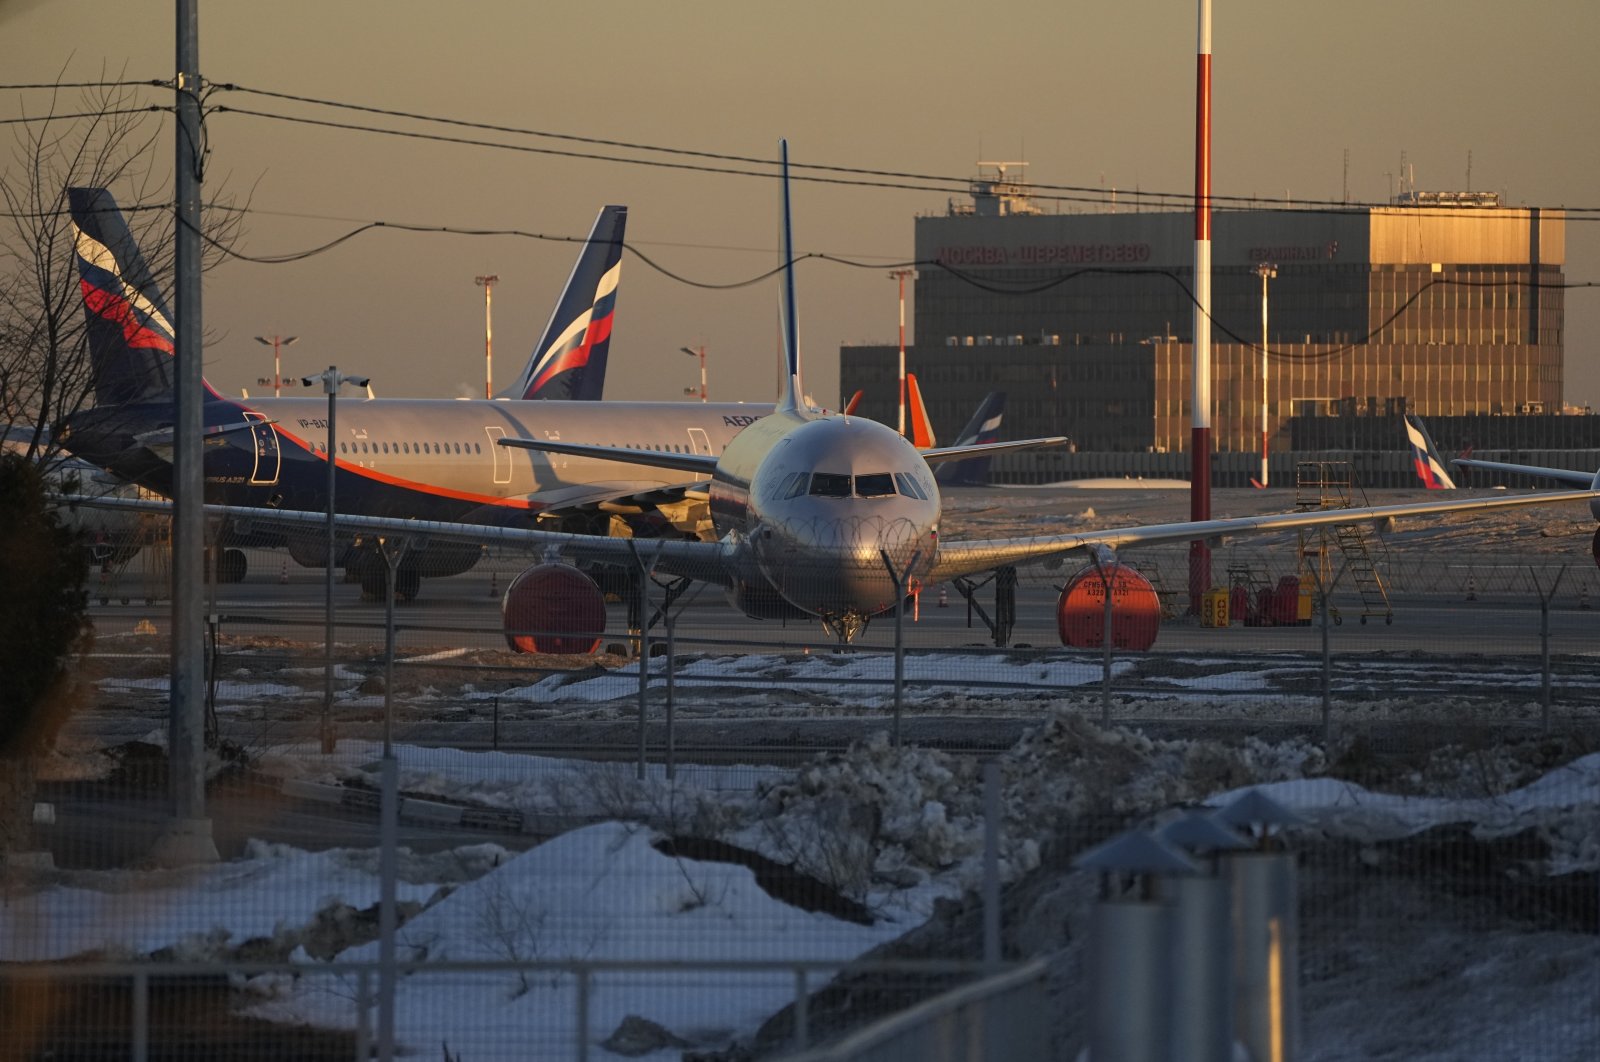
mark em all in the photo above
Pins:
pixel 1200 442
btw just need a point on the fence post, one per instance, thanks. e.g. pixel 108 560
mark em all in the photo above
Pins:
pixel 583 1013
pixel 1544 639
pixel 802 1009
pixel 363 1014
pixel 991 862
pixel 672 664
pixel 388 921
pixel 141 1017
pixel 1105 639
pixel 1325 605
pixel 900 578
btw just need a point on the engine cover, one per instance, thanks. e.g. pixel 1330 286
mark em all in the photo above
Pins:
pixel 553 608
pixel 1135 609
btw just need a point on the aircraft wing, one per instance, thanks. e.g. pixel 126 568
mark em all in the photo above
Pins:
pixel 703 464
pixel 611 493
pixel 1576 477
pixel 963 558
pixel 957 453
pixel 695 559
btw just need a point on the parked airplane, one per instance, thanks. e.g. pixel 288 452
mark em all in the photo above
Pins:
pixel 820 515
pixel 984 427
pixel 434 459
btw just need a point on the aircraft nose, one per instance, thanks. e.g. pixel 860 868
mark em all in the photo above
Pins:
pixel 841 564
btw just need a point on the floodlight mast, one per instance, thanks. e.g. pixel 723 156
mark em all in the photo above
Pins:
pixel 331 381
pixel 1266 271
pixel 275 343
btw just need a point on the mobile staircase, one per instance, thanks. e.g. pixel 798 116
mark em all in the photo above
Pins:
pixel 1332 485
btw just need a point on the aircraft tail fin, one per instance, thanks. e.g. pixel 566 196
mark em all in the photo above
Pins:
pixel 130 329
pixel 790 394
pixel 983 428
pixel 569 361
pixel 1425 456
pixel 917 421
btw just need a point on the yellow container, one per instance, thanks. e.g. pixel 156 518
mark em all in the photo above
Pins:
pixel 1303 611
pixel 1214 608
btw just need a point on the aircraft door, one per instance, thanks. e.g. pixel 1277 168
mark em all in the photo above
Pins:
pixel 700 443
pixel 269 458
pixel 502 457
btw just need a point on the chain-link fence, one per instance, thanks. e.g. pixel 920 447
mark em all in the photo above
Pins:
pixel 761 793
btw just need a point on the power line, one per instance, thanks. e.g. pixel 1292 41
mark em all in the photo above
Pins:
pixel 44 118
pixel 167 84
pixel 1076 193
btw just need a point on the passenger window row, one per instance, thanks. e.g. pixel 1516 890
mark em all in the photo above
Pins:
pixel 365 447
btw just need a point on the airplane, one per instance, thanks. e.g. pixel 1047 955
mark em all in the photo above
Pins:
pixel 821 515
pixel 983 427
pixel 434 459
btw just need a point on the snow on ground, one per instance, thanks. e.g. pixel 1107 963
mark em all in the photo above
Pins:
pixel 886 831
pixel 829 676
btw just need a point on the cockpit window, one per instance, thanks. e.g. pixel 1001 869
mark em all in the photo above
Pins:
pixel 795 485
pixel 909 486
pixel 829 485
pixel 876 485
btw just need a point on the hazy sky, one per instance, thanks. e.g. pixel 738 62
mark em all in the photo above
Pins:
pixel 1088 94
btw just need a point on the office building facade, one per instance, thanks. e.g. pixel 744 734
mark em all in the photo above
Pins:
pixel 1444 305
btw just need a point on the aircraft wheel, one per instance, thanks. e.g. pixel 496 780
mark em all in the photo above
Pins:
pixel 1388 620
pixel 1338 621
pixel 1363 619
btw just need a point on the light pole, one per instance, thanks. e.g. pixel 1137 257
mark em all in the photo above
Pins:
pixel 331 381
pixel 701 354
pixel 900 276
pixel 275 343
pixel 1266 271
pixel 487 284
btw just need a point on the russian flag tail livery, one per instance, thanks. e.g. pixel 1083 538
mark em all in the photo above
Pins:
pixel 570 361
pixel 1425 457
pixel 130 329
pixel 917 421
pixel 984 427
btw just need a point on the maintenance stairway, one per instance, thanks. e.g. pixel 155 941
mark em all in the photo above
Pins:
pixel 1331 485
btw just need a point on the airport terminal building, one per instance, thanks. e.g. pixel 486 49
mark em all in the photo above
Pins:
pixel 1445 304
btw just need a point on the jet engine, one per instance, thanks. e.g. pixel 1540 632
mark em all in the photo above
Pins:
pixel 553 608
pixel 1135 608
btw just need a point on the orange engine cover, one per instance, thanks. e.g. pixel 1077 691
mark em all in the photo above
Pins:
pixel 1135 609
pixel 553 608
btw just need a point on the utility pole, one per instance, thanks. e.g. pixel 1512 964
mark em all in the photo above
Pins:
pixel 701 353
pixel 1266 271
pixel 900 277
pixel 188 838
pixel 487 283
pixel 277 362
pixel 1200 412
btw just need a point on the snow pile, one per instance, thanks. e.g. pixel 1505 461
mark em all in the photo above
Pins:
pixel 1559 806
pixel 596 894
